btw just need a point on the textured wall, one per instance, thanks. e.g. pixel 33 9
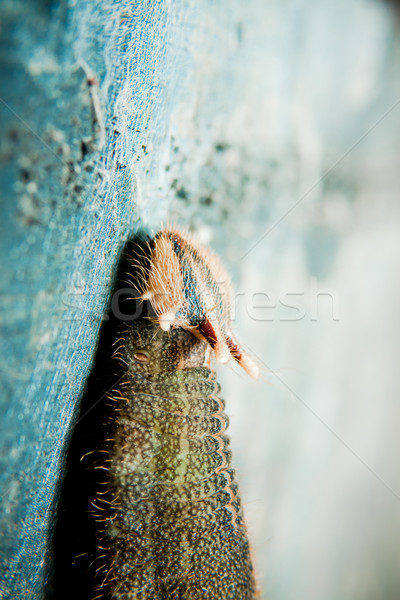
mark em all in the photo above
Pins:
pixel 271 129
pixel 73 153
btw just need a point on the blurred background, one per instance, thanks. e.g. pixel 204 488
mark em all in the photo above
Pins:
pixel 271 131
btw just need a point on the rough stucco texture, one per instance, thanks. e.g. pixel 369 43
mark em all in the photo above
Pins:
pixel 68 201
pixel 270 129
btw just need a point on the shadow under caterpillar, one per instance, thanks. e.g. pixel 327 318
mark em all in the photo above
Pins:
pixel 172 524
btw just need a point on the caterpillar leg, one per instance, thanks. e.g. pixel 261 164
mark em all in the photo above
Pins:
pixel 244 360
pixel 226 347
pixel 207 331
pixel 166 319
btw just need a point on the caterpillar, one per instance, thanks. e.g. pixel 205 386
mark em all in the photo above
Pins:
pixel 172 523
pixel 175 528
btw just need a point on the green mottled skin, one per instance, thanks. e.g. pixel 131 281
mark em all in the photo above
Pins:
pixel 175 529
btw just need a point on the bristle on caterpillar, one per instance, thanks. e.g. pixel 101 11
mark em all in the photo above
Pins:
pixel 188 287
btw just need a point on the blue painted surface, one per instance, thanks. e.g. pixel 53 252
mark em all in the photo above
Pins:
pixel 68 203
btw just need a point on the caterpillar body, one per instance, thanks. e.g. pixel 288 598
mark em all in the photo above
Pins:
pixel 173 526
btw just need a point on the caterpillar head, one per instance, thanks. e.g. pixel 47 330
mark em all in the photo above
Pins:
pixel 148 350
pixel 188 288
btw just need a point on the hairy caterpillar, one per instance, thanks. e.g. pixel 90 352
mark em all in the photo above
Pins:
pixel 174 525
pixel 189 288
pixel 173 520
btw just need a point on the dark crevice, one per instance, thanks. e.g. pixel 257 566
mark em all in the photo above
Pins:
pixel 76 536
